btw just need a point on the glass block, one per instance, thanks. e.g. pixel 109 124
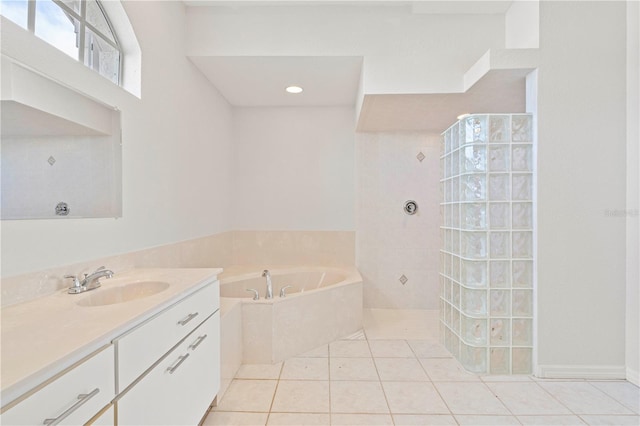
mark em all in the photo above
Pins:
pixel 447 314
pixel 499 245
pixel 500 303
pixel 474 359
pixel 522 246
pixel 473 187
pixel 455 241
pixel 474 159
pixel 455 133
pixel 521 128
pixel 521 360
pixel 522 215
pixel 522 187
pixel 499 215
pixel 499 128
pixel 455 215
pixel 473 274
pixel 473 330
pixel 455 143
pixel 447 265
pixel 499 158
pixel 474 245
pixel 522 332
pixel 523 273
pixel 455 189
pixel 447 142
pixel 447 166
pixel 522 303
pixel 446 288
pixel 455 294
pixel 500 331
pixel 455 319
pixel 499 361
pixel 499 274
pixel 447 338
pixel 455 268
pixel 455 163
pixel 475 128
pixel 498 186
pixel 474 216
pixel 447 240
pixel 521 158
pixel 474 302
pixel 442 169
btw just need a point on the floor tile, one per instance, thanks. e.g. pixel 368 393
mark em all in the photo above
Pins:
pixel 447 370
pixel 305 369
pixel 424 420
pixel 349 348
pixel 301 396
pixel 248 395
pixel 259 371
pixel 524 398
pixel 584 398
pixel 624 392
pixel 299 419
pixel 429 349
pixel 612 420
pixel 486 420
pixel 353 369
pixel 361 419
pixel 391 349
pixel 227 418
pixel 414 398
pixel 551 420
pixel 470 398
pixel 319 352
pixel 400 370
pixel 358 335
pixel 357 397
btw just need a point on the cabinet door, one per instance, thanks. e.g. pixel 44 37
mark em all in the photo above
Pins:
pixel 72 398
pixel 180 388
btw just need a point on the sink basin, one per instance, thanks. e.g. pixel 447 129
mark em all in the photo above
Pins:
pixel 125 293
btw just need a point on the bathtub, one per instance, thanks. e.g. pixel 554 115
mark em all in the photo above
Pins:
pixel 322 305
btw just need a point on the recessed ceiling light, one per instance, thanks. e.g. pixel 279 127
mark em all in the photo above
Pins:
pixel 294 89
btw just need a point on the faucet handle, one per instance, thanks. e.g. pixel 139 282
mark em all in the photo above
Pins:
pixel 283 290
pixel 77 285
pixel 256 295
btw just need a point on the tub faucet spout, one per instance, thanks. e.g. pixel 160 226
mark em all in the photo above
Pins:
pixel 267 275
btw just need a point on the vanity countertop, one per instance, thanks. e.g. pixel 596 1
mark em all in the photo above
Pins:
pixel 44 336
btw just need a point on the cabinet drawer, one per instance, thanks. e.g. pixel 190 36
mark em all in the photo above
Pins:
pixel 93 379
pixel 180 388
pixel 144 345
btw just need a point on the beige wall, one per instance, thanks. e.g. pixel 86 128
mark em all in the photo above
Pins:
pixel 389 242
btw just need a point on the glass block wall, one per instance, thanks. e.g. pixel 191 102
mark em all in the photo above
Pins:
pixel 487 242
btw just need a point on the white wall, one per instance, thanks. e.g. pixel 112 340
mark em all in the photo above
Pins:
pixel 293 169
pixel 176 150
pixel 404 52
pixel 390 243
pixel 581 175
pixel 522 29
pixel 633 193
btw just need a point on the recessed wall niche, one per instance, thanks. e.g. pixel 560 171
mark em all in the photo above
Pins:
pixel 61 150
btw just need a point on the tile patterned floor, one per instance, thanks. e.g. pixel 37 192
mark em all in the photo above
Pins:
pixel 398 375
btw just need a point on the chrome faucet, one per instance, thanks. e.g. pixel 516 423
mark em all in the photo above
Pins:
pixel 267 275
pixel 89 282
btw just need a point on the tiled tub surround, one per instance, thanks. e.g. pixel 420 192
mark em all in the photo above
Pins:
pixel 487 237
pixel 46 335
pixel 330 248
pixel 323 304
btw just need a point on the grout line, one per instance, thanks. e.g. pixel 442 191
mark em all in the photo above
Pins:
pixel 275 391
pixel 380 382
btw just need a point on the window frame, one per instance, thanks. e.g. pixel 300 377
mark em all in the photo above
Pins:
pixel 82 19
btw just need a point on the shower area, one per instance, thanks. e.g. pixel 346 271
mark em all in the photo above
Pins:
pixel 487 252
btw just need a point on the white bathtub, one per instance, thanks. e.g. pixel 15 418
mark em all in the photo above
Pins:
pixel 323 304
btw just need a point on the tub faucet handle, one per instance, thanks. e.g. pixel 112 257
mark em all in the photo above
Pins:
pixel 283 290
pixel 256 295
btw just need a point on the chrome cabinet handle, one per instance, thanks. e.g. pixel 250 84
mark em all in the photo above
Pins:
pixel 195 344
pixel 82 399
pixel 181 359
pixel 188 318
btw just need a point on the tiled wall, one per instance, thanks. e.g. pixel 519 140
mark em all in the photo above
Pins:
pixel 392 168
pixel 487 233
pixel 260 248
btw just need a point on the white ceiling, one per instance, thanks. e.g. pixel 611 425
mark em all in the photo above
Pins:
pixel 251 81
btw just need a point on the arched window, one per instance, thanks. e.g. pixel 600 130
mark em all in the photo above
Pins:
pixel 79 28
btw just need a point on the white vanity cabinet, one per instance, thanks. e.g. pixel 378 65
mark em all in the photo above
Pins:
pixel 169 367
pixel 73 398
